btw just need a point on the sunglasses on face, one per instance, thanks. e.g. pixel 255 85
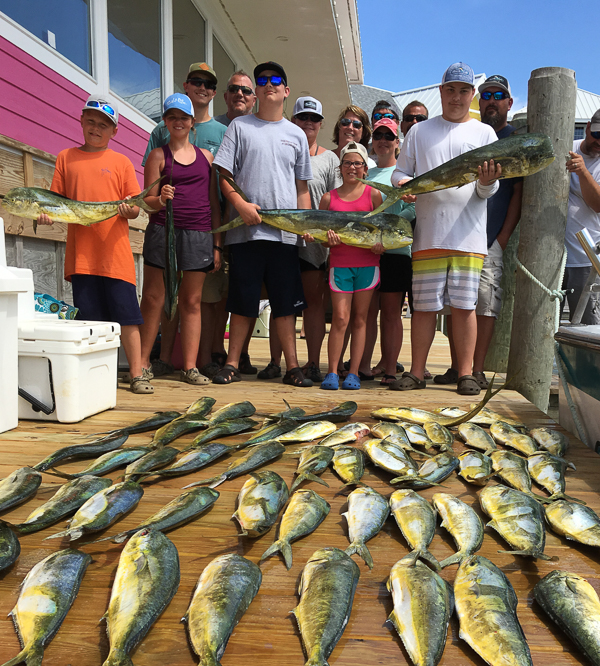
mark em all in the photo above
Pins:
pixel 312 117
pixel 411 117
pixel 246 90
pixel 596 135
pixel 263 80
pixel 486 94
pixel 379 116
pixel 92 104
pixel 345 122
pixel 387 136
pixel 348 164
pixel 208 85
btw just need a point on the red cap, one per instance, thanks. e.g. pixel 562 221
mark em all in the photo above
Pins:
pixel 387 122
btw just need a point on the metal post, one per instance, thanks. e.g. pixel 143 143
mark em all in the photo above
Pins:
pixel 551 110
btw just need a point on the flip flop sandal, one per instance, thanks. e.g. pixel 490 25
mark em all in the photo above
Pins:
pixel 364 377
pixel 408 382
pixel 140 385
pixel 245 366
pixel 427 375
pixel 227 374
pixel 467 385
pixel 481 379
pixel 449 377
pixel 352 382
pixel 386 380
pixel 331 382
pixel 378 372
pixel 295 377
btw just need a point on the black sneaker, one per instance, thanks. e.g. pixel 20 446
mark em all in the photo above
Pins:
pixel 245 366
pixel 313 373
pixel 270 372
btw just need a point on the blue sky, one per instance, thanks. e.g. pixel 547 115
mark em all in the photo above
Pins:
pixel 409 44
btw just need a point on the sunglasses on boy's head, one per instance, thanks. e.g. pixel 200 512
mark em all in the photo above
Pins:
pixel 486 94
pixel 313 117
pixel 379 116
pixel 345 122
pixel 209 85
pixel 409 117
pixel 596 135
pixel 92 104
pixel 387 136
pixel 263 80
pixel 246 90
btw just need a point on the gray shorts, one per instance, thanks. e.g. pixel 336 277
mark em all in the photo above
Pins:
pixel 489 300
pixel 576 278
pixel 194 248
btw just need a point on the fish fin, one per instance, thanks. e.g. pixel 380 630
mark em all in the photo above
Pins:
pixel 316 479
pixel 29 656
pixel 233 184
pixel 218 481
pixel 388 190
pixel 430 558
pixel 572 587
pixel 58 535
pixel 457 558
pixel 368 225
pixel 393 618
pixel 275 547
pixel 201 483
pixel 362 550
pixel 62 475
pixel 140 562
pixel 530 553
pixel 493 525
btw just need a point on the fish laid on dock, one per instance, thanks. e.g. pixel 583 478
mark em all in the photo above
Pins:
pixel 10 548
pixel 463 524
pixel 107 462
pixel 553 441
pixel 574 521
pixel 349 464
pixel 90 450
pixel 348 433
pixel 549 472
pixel 475 467
pixel 314 460
pixel 259 502
pixel 367 512
pixel 18 487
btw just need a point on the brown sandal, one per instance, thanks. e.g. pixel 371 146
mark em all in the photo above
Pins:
pixel 467 385
pixel 409 382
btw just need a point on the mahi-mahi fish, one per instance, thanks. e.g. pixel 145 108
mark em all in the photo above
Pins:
pixel 518 155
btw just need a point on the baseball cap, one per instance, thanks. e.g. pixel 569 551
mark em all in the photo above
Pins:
pixel 459 72
pixel 353 147
pixel 496 81
pixel 204 68
pixel 308 104
pixel 179 101
pixel 273 66
pixel 102 104
pixel 595 127
pixel 386 122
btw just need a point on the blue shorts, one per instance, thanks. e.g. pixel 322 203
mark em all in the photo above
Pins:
pixel 102 298
pixel 349 280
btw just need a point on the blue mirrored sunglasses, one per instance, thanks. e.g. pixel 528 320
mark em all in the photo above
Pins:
pixel 105 107
pixel 263 80
pixel 596 135
pixel 379 116
pixel 500 94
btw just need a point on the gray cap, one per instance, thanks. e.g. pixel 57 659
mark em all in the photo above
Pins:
pixel 595 127
pixel 308 105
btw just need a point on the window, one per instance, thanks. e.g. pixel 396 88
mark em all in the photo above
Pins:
pixel 224 68
pixel 579 132
pixel 134 53
pixel 64 25
pixel 188 40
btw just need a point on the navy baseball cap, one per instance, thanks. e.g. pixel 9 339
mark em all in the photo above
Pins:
pixel 259 69
pixel 496 81
pixel 459 72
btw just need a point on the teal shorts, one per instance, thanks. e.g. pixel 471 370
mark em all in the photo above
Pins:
pixel 349 280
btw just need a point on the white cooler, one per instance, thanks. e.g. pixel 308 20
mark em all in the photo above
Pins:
pixel 67 369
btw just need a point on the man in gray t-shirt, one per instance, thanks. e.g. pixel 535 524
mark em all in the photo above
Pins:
pixel 239 97
pixel 268 158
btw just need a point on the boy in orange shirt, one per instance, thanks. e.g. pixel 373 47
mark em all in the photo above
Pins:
pixel 98 260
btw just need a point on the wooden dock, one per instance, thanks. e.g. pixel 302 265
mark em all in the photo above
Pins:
pixel 267 634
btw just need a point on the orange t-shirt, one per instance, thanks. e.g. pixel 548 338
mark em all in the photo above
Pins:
pixel 102 248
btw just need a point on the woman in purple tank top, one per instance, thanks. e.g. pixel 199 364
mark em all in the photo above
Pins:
pixel 190 183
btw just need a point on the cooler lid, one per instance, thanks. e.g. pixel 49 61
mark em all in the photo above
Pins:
pixel 588 336
pixel 11 283
pixel 68 330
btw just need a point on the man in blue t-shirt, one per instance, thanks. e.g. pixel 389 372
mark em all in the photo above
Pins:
pixel 503 214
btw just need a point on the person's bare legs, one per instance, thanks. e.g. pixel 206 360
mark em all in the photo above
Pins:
pixel 421 337
pixel 249 336
pixel 275 345
pixel 371 335
pixel 132 345
pixel 153 298
pixel 314 284
pixel 342 305
pixel 207 334
pixel 238 332
pixel 485 332
pixel 453 359
pixel 189 304
pixel 168 333
pixel 391 329
pixel 358 324
pixel 285 328
pixel 464 330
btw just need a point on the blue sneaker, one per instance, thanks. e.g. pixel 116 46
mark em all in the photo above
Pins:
pixel 331 382
pixel 351 383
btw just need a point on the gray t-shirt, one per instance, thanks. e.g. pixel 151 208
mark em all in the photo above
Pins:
pixel 223 119
pixel 266 158
pixel 326 177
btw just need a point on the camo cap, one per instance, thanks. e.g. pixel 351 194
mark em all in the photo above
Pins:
pixel 459 72
pixel 496 81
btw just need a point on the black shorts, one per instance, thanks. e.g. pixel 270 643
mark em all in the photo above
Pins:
pixel 307 266
pixel 396 273
pixel 102 298
pixel 276 264
pixel 194 248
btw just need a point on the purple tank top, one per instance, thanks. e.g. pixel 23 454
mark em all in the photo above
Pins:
pixel 191 203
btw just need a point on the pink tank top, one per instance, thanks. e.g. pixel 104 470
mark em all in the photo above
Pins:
pixel 348 256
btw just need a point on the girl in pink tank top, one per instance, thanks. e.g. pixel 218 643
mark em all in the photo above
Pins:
pixel 353 272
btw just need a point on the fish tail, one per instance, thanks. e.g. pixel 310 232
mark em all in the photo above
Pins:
pixel 307 476
pixel 531 553
pixel 362 550
pixel 202 483
pixel 457 558
pixel 139 200
pixel 557 496
pixel 424 554
pixel 62 475
pixel 282 547
pixel 218 481
pixel 118 657
pixel 58 535
pixel 31 656
pixel 317 658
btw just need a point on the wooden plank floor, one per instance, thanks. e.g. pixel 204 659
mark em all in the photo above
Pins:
pixel 267 633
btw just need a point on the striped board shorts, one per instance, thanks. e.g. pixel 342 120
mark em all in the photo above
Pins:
pixel 445 277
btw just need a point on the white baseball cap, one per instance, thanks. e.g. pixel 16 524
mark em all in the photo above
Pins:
pixel 354 147
pixel 308 105
pixel 102 104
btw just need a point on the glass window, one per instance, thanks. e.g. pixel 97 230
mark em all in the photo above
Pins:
pixel 188 40
pixel 64 25
pixel 134 53
pixel 224 68
pixel 579 133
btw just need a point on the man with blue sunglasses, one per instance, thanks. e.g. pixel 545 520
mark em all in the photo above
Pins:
pixel 269 159
pixel 583 213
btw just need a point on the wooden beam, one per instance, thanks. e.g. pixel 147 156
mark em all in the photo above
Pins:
pixel 18 145
pixel 28 177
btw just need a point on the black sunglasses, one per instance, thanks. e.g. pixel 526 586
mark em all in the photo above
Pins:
pixel 500 94
pixel 388 136
pixel 263 80
pixel 409 117
pixel 246 90
pixel 209 85
pixel 379 116
pixel 345 122
pixel 313 117
pixel 596 135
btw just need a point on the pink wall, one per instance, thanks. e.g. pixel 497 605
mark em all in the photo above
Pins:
pixel 42 109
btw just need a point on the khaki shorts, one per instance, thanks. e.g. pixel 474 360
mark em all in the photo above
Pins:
pixel 216 286
pixel 489 300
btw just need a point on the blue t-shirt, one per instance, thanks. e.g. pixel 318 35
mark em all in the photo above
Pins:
pixel 497 205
